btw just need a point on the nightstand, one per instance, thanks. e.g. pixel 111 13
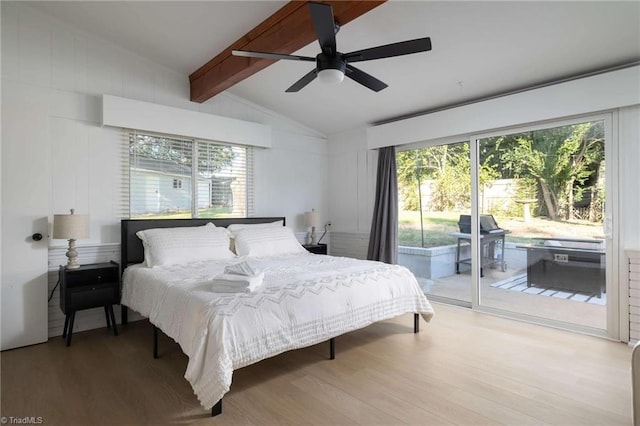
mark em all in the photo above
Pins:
pixel 316 248
pixel 89 286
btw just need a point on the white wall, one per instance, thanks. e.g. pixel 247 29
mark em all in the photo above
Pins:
pixel 70 70
pixel 292 177
pixel 629 137
pixel 352 181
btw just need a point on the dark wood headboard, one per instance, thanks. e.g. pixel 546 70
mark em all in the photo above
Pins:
pixel 131 250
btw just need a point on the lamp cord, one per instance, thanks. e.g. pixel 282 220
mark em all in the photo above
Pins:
pixel 52 290
pixel 323 234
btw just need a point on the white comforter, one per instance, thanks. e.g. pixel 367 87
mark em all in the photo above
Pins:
pixel 305 299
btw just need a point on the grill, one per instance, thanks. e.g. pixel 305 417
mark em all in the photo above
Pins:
pixel 488 224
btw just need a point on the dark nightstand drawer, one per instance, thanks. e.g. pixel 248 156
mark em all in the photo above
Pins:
pixel 316 248
pixel 89 286
pixel 93 275
pixel 93 296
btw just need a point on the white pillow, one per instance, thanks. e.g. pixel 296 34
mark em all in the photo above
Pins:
pixel 267 241
pixel 235 227
pixel 172 246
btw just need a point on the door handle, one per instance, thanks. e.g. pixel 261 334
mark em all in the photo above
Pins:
pixel 36 237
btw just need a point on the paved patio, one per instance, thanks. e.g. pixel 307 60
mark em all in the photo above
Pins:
pixel 458 287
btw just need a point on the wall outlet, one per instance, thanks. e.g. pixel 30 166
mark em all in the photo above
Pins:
pixel 560 257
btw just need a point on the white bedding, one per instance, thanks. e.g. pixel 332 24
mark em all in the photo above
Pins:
pixel 304 299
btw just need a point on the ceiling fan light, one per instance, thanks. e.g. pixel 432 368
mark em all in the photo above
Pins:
pixel 330 76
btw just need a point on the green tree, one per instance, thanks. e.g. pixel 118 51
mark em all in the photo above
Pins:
pixel 449 166
pixel 410 176
pixel 562 160
pixel 211 158
pixel 452 188
pixel 563 166
pixel 433 163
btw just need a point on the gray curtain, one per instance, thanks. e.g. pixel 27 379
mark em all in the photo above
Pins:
pixel 383 239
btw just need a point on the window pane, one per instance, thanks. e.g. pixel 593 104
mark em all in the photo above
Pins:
pixel 160 176
pixel 222 180
pixel 161 172
pixel 434 185
pixel 548 191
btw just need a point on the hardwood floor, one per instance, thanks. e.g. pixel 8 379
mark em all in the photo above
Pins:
pixel 463 368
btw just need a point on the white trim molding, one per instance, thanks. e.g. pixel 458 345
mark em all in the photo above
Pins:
pixel 139 115
pixel 632 277
pixel 601 92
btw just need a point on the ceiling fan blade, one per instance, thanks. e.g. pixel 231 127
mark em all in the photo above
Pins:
pixel 266 55
pixel 306 79
pixel 365 79
pixel 390 50
pixel 324 26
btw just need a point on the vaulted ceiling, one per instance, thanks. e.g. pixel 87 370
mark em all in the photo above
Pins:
pixel 480 49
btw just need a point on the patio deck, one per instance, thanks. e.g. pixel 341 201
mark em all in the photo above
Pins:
pixel 458 287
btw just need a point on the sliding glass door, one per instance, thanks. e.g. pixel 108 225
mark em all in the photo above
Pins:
pixel 513 222
pixel 548 256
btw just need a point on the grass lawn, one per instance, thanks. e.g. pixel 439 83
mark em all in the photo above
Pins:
pixel 439 225
pixel 186 214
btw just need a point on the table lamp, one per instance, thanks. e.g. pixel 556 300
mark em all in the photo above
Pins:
pixel 71 227
pixel 311 219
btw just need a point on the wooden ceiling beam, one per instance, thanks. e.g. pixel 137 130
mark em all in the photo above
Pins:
pixel 286 31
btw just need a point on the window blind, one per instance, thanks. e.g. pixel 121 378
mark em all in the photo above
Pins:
pixel 172 177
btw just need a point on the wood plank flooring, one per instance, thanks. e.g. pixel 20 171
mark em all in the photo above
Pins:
pixel 463 368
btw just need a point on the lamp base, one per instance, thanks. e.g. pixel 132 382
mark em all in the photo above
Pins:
pixel 72 255
pixel 313 236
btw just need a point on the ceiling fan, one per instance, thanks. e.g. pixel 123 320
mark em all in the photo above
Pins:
pixel 331 65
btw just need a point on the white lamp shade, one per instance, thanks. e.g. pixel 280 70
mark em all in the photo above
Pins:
pixel 70 226
pixel 311 219
pixel 330 76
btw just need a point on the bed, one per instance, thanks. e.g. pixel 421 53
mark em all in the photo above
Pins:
pixel 303 298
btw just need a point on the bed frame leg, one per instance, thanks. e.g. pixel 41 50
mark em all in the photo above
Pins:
pixel 155 342
pixel 416 323
pixel 216 409
pixel 124 315
pixel 332 348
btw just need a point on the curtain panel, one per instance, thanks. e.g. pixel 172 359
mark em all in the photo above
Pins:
pixel 383 239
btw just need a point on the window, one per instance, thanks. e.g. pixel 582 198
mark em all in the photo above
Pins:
pixel 171 177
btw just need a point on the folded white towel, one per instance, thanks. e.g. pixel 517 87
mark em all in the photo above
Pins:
pixel 232 283
pixel 243 268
